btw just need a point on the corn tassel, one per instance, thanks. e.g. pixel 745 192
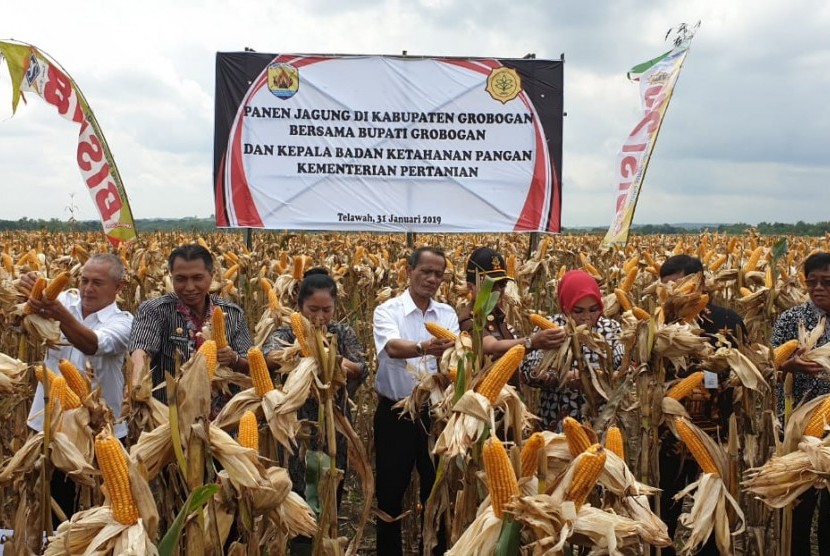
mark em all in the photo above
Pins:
pixel 56 286
pixel 784 352
pixel 819 418
pixel 298 326
pixel 585 476
pixel 113 464
pixel 501 479
pixel 530 453
pixel 500 373
pixel 74 379
pixel 576 436
pixel 685 386
pixel 698 450
pixel 439 331
pixel 622 299
pixel 249 431
pixel 217 321
pixel 258 369
pixel 208 349
pixel 37 293
pixel 614 441
pixel 541 322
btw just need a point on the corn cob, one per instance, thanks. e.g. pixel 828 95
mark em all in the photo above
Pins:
pixel 692 312
pixel 39 374
pixel 500 373
pixel 299 329
pixel 630 276
pixel 768 281
pixel 530 453
pixel 542 322
pixel 56 286
pixel 231 272
pixel 201 241
pixel 37 293
pixel 113 464
pixel 752 262
pixel 69 399
pixel 501 479
pixel 58 384
pixel 679 248
pixel 640 313
pixel 561 272
pixel 217 321
pixel 685 386
pixel 614 441
pixel 543 249
pixel 698 450
pixel 249 431
pixel 632 262
pixel 258 369
pixel 8 263
pixel 730 248
pixel 585 476
pixel 74 379
pixel 719 262
pixel 592 270
pixel 208 349
pixel 744 291
pixel 622 299
pixel 439 331
pixel 511 266
pixel 819 418
pixel 577 438
pixel 232 257
pixel 298 267
pixel 784 352
pixel 80 253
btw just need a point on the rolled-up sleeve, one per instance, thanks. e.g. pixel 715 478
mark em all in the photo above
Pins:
pixel 115 336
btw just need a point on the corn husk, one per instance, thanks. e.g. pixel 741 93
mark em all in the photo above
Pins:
pixel 480 537
pixel 12 374
pixel 681 343
pixel 782 479
pixel 470 417
pixel 711 505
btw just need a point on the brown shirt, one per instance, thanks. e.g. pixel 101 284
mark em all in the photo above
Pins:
pixel 496 326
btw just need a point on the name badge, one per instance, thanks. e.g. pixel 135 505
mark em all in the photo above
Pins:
pixel 710 379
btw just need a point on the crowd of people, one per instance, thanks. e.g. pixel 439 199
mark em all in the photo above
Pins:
pixel 98 334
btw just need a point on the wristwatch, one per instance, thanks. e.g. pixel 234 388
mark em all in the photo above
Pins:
pixel 528 342
pixel 419 349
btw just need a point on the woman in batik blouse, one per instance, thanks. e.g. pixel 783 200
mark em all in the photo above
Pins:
pixel 580 299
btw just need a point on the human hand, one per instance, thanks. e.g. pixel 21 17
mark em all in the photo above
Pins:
pixel 797 364
pixel 27 281
pixel 437 346
pixel 49 309
pixel 226 356
pixel 550 338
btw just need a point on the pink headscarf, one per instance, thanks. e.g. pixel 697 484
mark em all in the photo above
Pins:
pixel 576 285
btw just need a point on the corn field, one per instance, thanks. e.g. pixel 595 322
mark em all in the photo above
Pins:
pixel 220 486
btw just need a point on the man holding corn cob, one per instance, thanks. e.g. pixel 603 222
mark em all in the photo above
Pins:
pixel 404 349
pixel 93 330
pixel 173 323
pixel 806 386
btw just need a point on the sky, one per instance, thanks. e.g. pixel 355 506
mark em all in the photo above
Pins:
pixel 746 137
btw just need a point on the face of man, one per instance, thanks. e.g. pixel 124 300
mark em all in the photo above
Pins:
pixel 426 277
pixel 97 287
pixel 191 282
pixel 818 286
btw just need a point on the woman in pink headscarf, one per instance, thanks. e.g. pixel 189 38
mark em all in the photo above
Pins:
pixel 580 299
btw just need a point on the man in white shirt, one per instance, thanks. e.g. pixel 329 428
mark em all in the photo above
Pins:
pixel 94 330
pixel 405 349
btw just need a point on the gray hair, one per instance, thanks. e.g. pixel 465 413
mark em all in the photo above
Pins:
pixel 116 270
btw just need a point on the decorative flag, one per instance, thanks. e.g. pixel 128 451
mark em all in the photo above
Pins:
pixel 33 71
pixel 657 78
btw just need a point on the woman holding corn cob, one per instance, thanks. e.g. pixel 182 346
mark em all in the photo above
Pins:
pixel 806 386
pixel 580 300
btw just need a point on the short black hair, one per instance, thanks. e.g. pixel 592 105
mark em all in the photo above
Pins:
pixel 816 261
pixel 415 257
pixel 681 263
pixel 191 252
pixel 316 279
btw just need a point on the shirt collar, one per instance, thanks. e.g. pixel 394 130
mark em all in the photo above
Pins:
pixel 409 304
pixel 103 315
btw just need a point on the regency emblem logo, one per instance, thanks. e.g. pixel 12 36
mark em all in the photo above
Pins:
pixel 504 84
pixel 283 80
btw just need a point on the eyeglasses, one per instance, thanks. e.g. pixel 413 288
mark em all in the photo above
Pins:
pixel 813 283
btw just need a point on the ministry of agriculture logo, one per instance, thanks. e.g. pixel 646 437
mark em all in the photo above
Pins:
pixel 283 80
pixel 504 84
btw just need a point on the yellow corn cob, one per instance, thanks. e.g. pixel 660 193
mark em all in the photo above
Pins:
pixel 715 266
pixel 201 241
pixel 614 441
pixel 583 259
pixel 585 476
pixel 630 276
pixel 69 399
pixel 208 349
pixel 501 479
pixel 543 249
pixel 74 379
pixel 692 312
pixel 622 299
pixel 752 262
pixel 511 266
pixel 359 253
pixel 248 431
pixel 530 453
pixel 285 260
pixel 542 322
pixel 577 438
pixel 80 253
pixel 8 263
pixel 640 313
pixel 37 293
pixel 232 257
pixel 231 272
pixel 298 269
pixel 633 262
pixel 375 261
pixel 39 374
pixel 685 386
pixel 678 248
pixel 744 291
pixel 258 369
pixel 439 331
pixel 592 270
pixel 56 286
pixel 730 248
pixel 298 327
pixel 815 426
pixel 217 322
pixel 500 373
pixel 702 456
pixel 768 277
pixel 113 464
pixel 562 270
pixel 784 352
